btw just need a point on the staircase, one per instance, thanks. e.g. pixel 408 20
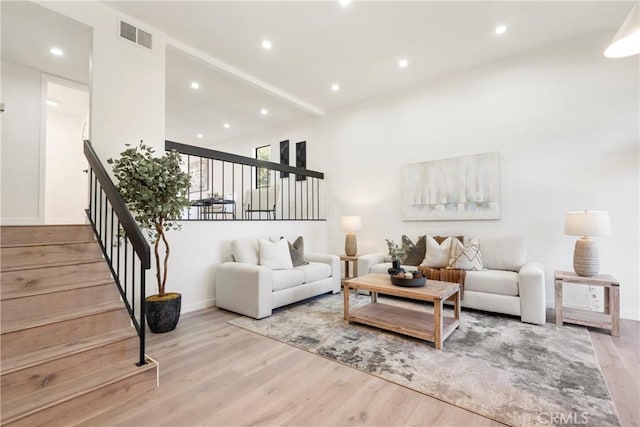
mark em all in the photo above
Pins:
pixel 68 346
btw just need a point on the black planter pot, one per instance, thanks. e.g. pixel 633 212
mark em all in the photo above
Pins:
pixel 163 313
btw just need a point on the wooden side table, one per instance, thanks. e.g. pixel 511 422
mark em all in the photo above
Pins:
pixel 349 259
pixel 609 319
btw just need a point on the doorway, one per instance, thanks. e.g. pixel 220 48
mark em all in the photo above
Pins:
pixel 66 124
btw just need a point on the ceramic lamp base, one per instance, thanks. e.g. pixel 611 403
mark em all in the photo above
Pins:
pixel 585 257
pixel 350 245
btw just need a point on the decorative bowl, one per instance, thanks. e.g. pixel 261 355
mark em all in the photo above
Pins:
pixel 409 283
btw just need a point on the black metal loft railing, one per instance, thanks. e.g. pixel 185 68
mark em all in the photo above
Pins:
pixel 227 186
pixel 123 244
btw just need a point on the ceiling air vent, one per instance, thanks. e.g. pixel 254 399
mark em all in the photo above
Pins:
pixel 144 38
pixel 127 31
pixel 136 35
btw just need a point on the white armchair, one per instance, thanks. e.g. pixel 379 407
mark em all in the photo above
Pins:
pixel 261 200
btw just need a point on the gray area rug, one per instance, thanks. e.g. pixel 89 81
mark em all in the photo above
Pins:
pixel 493 365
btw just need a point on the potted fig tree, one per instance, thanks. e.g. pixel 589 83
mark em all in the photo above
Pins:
pixel 156 191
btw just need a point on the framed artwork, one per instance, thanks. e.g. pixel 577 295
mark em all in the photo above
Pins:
pixel 301 158
pixel 460 188
pixel 199 171
pixel 284 157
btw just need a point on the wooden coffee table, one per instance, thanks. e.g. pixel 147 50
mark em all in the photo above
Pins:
pixel 434 327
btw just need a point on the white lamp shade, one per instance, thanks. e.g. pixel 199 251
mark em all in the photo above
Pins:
pixel 350 223
pixel 626 42
pixel 587 223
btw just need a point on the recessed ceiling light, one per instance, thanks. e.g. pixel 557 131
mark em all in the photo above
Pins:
pixel 266 44
pixel 52 103
pixel 335 87
pixel 199 135
pixel 345 3
pixel 500 29
pixel 264 111
pixel 402 63
pixel 195 85
pixel 56 51
pixel 226 125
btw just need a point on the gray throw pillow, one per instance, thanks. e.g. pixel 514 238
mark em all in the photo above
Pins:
pixel 296 249
pixel 414 253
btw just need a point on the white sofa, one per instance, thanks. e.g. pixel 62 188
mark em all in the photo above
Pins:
pixel 245 287
pixel 509 285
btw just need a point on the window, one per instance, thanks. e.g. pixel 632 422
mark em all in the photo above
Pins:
pixel 263 177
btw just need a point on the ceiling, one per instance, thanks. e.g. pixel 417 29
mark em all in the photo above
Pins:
pixel 315 44
pixel 30 30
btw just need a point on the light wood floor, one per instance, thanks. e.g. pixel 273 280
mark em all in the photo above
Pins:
pixel 213 373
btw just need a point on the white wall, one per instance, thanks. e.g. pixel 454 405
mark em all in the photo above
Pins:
pixel 21 87
pixel 66 186
pixel 127 81
pixel 127 104
pixel 564 119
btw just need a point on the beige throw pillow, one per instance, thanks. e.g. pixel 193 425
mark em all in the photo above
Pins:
pixel 466 257
pixel 275 255
pixel 437 255
pixel 245 251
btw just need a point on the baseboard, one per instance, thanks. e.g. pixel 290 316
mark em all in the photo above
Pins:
pixel 631 315
pixel 578 306
pixel 552 305
pixel 66 221
pixel 20 221
pixel 199 305
pixel 624 314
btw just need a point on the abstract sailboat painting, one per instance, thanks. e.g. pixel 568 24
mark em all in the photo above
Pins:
pixel 460 188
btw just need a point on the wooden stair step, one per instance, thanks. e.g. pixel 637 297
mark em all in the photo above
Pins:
pixel 44 234
pixel 100 387
pixel 26 336
pixel 50 372
pixel 21 283
pixel 48 319
pixel 37 357
pixel 23 257
pixel 19 309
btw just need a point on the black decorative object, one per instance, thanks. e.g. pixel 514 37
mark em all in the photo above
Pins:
pixel 301 158
pixel 395 268
pixel 163 314
pixel 409 283
pixel 284 157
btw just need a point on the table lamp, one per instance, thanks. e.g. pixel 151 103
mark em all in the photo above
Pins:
pixel 350 224
pixel 586 224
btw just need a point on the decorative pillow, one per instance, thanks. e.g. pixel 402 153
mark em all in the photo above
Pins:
pixel 245 251
pixel 437 255
pixel 296 249
pixel 414 253
pixel 466 257
pixel 275 255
